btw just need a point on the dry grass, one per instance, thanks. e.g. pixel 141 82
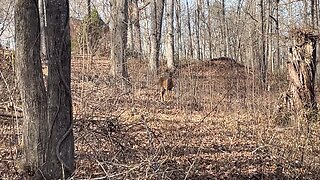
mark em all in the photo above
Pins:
pixel 218 124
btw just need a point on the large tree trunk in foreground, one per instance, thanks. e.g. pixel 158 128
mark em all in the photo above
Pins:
pixel 31 86
pixel 60 153
pixel 301 73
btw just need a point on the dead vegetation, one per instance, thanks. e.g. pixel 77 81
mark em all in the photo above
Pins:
pixel 218 125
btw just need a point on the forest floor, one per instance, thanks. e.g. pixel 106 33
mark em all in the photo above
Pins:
pixel 216 124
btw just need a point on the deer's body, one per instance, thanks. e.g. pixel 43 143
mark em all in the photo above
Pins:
pixel 166 85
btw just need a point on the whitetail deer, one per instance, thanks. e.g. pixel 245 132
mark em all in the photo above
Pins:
pixel 166 85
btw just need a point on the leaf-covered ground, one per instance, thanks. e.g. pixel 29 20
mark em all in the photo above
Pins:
pixel 216 124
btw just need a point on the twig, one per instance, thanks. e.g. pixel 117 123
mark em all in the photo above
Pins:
pixel 189 170
pixel 104 170
pixel 214 107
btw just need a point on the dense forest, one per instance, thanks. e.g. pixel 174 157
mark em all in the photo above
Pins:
pixel 159 89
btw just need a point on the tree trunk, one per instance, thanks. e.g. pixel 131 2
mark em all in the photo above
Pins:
pixel 301 71
pixel 137 47
pixel 88 7
pixel 197 24
pixel 156 26
pixel 209 25
pixel 170 36
pixel 305 13
pixel 31 85
pixel 263 61
pixel 313 14
pixel 43 44
pixel 278 38
pixel 60 152
pixel 190 49
pixel 89 31
pixel 119 11
pixel 225 30
pixel 178 41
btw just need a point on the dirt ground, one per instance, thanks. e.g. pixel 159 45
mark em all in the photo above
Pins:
pixel 216 124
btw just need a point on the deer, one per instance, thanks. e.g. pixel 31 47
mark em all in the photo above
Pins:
pixel 166 84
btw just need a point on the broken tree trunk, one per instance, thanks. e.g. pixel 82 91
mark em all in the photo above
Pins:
pixel 301 73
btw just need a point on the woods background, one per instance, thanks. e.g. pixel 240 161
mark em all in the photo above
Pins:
pixel 243 106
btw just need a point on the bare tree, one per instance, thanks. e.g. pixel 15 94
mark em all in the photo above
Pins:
pixel 179 45
pixel 209 25
pixel 6 15
pixel 263 61
pixel 31 85
pixel 119 19
pixel 48 143
pixel 225 29
pixel 137 47
pixel 88 7
pixel 190 49
pixel 197 28
pixel 60 152
pixel 157 7
pixel 170 36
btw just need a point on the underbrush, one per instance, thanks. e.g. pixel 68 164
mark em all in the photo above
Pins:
pixel 217 124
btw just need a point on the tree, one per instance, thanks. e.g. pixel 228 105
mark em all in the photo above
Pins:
pixel 209 25
pixel 43 45
pixel 197 28
pixel 301 73
pixel 190 49
pixel 135 33
pixel 263 61
pixel 119 20
pixel 88 7
pixel 6 16
pixel 48 143
pixel 60 153
pixel 225 30
pixel 31 85
pixel 156 26
pixel 170 36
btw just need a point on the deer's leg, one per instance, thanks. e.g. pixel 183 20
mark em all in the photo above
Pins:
pixel 163 94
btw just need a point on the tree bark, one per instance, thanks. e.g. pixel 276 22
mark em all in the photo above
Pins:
pixel 190 49
pixel 156 26
pixel 263 61
pixel 225 30
pixel 89 7
pixel 42 14
pixel 178 40
pixel 197 29
pixel 137 47
pixel 301 71
pixel 305 13
pixel 31 85
pixel 119 13
pixel 170 36
pixel 209 25
pixel 60 152
pixel 278 38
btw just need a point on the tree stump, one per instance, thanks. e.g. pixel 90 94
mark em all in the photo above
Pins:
pixel 301 74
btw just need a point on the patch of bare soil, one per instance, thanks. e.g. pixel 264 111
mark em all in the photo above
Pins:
pixel 216 124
